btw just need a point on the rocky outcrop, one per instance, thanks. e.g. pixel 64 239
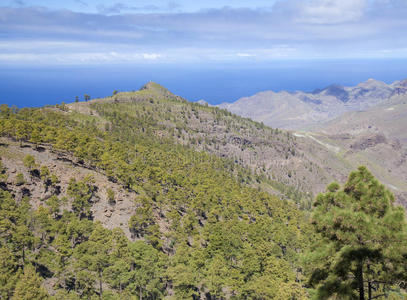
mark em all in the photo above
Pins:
pixel 369 141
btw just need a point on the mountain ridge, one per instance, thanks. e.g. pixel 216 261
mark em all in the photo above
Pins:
pixel 312 159
pixel 301 110
pixel 111 186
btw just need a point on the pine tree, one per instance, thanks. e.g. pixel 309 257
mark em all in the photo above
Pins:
pixel 21 132
pixel 99 246
pixel 29 286
pixel 8 273
pixel 35 137
pixel 29 162
pixel 362 246
pixel 81 192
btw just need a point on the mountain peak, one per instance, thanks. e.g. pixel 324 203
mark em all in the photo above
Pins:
pixel 403 83
pixel 371 82
pixel 337 91
pixel 202 102
pixel 153 86
pixel 153 89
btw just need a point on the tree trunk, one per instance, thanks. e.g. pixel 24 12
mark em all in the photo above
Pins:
pixel 369 285
pixel 141 295
pixel 360 281
pixel 100 284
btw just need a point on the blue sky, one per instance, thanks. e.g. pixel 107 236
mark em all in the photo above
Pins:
pixel 83 32
pixel 98 6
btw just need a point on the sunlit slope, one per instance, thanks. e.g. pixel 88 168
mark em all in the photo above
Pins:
pixel 297 166
pixel 192 223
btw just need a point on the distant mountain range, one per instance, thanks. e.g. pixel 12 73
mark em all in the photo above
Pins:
pixel 360 125
pixel 302 111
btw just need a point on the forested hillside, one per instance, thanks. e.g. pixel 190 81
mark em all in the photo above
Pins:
pixel 296 168
pixel 144 195
pixel 199 226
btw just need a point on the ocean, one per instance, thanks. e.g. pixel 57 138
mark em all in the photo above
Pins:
pixel 33 86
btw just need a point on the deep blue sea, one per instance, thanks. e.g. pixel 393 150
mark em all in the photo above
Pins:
pixel 215 83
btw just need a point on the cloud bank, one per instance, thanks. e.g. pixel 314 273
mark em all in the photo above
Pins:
pixel 290 29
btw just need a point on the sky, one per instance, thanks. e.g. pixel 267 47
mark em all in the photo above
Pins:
pixel 88 32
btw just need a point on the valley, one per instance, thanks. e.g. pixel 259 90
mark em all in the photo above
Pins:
pixel 361 125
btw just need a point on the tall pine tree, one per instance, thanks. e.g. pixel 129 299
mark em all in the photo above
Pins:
pixel 29 286
pixel 362 247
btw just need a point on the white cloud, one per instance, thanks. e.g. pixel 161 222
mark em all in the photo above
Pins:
pixel 76 58
pixel 244 55
pixel 331 11
pixel 152 56
pixel 292 29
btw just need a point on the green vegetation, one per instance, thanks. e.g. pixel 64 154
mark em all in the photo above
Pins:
pixel 29 286
pixel 20 179
pixel 29 162
pixel 81 194
pixel 199 226
pixel 202 225
pixel 3 172
pixel 110 195
pixel 363 246
pixel 154 111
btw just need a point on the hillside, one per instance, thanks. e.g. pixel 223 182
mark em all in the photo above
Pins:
pixel 144 193
pixel 375 137
pixel 98 198
pixel 301 111
pixel 295 165
pixel 295 168
pixel 350 126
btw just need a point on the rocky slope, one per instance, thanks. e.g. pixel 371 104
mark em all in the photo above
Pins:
pixel 375 137
pixel 111 214
pixel 300 111
pixel 361 125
